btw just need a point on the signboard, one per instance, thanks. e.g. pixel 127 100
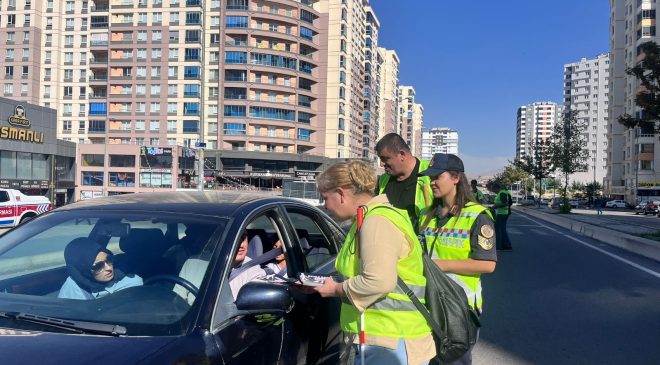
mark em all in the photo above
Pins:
pixel 24 184
pixel 23 132
pixel 89 194
pixel 311 174
pixel 155 151
pixel 200 145
pixel 269 174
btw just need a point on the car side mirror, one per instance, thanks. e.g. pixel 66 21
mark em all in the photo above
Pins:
pixel 264 298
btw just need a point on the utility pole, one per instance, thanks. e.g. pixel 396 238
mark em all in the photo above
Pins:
pixel 202 109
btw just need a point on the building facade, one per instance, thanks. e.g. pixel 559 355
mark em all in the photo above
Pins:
pixel 586 91
pixel 32 159
pixel 410 119
pixel 439 140
pixel 535 122
pixel 631 154
pixel 389 101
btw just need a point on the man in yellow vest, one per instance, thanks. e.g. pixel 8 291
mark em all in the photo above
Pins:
pixel 478 195
pixel 401 183
pixel 502 209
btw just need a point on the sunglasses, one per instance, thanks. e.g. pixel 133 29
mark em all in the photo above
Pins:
pixel 98 266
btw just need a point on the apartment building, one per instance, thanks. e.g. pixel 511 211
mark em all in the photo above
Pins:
pixel 586 91
pixel 410 119
pixel 535 122
pixel 389 104
pixel 439 140
pixel 631 154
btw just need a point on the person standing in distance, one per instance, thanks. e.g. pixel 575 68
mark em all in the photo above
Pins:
pixel 384 248
pixel 502 209
pixel 478 195
pixel 459 231
pixel 401 183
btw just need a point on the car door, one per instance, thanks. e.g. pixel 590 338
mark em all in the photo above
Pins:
pixel 316 240
pixel 251 338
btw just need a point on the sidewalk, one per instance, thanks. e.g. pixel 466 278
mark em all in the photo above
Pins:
pixel 620 231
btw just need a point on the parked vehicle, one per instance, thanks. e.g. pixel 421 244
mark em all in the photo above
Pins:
pixel 616 204
pixel 641 207
pixel 554 203
pixel 16 207
pixel 174 317
pixel 651 207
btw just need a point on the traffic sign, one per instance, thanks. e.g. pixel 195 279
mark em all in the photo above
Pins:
pixel 200 145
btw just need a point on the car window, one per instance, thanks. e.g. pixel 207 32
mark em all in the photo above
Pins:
pixel 317 247
pixel 50 267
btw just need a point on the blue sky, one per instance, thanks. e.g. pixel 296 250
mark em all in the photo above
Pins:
pixel 473 63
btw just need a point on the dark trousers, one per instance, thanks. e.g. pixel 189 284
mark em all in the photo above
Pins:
pixel 501 236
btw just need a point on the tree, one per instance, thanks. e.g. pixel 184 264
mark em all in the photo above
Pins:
pixel 648 95
pixel 592 190
pixel 537 164
pixel 568 149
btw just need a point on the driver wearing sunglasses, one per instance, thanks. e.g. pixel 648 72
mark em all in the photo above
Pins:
pixel 91 272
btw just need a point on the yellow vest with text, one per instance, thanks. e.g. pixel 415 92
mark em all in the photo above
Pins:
pixel 452 242
pixel 423 194
pixel 393 315
pixel 502 210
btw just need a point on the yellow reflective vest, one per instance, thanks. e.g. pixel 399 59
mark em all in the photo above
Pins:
pixel 393 315
pixel 423 194
pixel 452 242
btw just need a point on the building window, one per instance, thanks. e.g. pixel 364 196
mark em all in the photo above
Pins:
pixel 92 178
pixel 121 179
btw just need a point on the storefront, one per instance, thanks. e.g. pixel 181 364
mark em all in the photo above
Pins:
pixel 32 159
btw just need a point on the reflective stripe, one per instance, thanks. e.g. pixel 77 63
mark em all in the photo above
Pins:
pixel 389 304
pixel 419 291
pixel 473 297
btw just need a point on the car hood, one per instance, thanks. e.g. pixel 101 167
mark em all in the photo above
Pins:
pixel 33 347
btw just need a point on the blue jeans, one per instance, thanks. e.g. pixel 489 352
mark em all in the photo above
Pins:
pixel 501 235
pixel 377 355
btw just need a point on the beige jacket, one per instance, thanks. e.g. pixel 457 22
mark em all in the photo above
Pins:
pixel 382 245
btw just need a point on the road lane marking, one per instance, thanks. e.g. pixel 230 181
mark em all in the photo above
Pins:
pixel 637 266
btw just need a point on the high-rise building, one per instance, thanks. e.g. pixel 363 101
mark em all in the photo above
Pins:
pixel 586 92
pixel 410 119
pixel 372 93
pixel 631 153
pixel 389 93
pixel 439 140
pixel 535 123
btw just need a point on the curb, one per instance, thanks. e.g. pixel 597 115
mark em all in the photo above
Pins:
pixel 638 245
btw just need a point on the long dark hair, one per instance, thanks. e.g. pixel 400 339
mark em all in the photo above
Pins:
pixel 463 192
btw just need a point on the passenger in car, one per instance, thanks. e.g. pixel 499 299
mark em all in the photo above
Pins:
pixel 240 276
pixel 194 269
pixel 279 266
pixel 91 272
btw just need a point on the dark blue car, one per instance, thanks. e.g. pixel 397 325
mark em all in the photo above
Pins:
pixel 178 250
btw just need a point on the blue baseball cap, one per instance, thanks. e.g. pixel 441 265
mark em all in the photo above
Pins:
pixel 442 162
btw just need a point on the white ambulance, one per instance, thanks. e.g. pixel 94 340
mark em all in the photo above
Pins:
pixel 15 207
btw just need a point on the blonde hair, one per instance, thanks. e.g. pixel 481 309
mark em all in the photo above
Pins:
pixel 356 176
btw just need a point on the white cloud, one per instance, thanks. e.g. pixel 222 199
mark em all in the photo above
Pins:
pixel 483 166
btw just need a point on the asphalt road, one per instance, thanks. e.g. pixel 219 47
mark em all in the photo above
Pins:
pixel 561 298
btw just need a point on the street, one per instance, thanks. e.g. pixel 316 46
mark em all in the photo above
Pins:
pixel 561 298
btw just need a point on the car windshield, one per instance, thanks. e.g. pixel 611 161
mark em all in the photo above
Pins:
pixel 113 267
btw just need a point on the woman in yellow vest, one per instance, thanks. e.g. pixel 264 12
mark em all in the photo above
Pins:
pixel 384 248
pixel 459 231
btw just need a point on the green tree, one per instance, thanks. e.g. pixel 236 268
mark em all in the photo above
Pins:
pixel 592 190
pixel 568 149
pixel 537 164
pixel 648 96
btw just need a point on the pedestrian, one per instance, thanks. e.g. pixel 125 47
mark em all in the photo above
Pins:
pixel 385 247
pixel 401 183
pixel 478 195
pixel 459 230
pixel 502 209
pixel 599 206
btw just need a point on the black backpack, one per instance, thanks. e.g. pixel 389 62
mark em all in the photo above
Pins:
pixel 453 321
